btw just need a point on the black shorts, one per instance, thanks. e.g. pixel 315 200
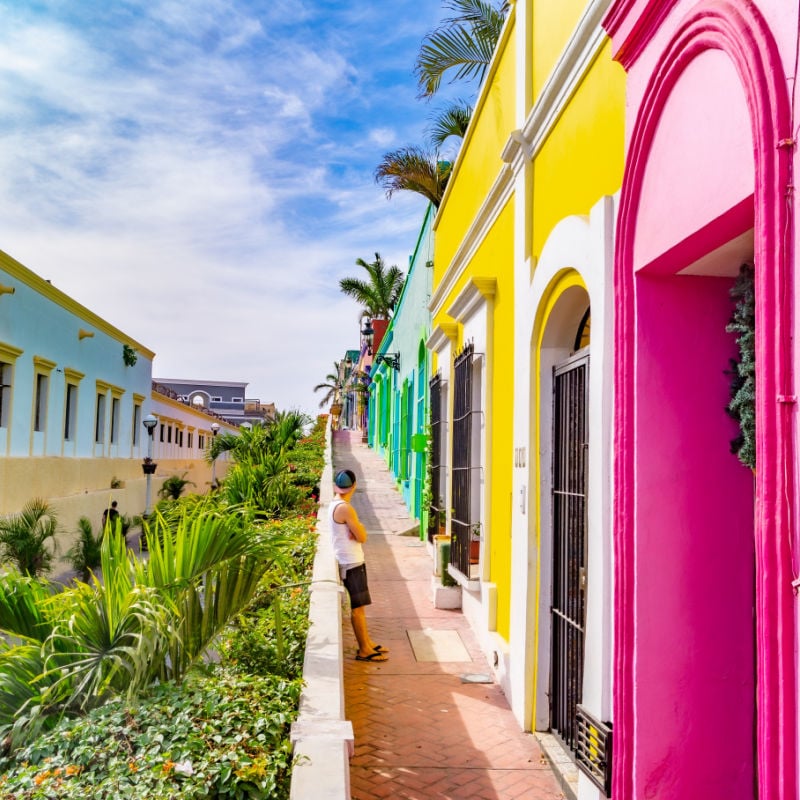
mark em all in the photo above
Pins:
pixel 355 581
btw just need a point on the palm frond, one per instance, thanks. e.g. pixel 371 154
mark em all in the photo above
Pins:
pixel 452 120
pixel 413 169
pixel 464 42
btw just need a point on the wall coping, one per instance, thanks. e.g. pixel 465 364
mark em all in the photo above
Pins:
pixel 322 737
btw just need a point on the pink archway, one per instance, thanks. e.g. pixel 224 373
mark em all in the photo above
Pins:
pixel 738 30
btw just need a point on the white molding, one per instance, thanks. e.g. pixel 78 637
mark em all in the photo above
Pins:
pixel 442 335
pixel 474 294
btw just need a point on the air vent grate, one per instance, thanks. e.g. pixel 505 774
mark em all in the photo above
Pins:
pixel 593 749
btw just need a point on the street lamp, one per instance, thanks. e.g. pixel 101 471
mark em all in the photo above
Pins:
pixel 214 432
pixel 368 333
pixel 148 467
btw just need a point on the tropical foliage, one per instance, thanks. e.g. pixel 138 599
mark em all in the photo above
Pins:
pixel 332 386
pixel 173 486
pixel 379 292
pixel 462 43
pixel 106 684
pixel 413 169
pixel 742 405
pixel 27 539
pixel 85 555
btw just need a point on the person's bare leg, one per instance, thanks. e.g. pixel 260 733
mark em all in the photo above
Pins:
pixel 358 618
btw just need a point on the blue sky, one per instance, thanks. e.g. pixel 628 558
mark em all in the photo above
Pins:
pixel 199 172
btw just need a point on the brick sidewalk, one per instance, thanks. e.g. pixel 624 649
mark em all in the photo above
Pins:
pixel 420 732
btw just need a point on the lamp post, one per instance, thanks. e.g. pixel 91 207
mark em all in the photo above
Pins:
pixel 214 432
pixel 369 334
pixel 148 467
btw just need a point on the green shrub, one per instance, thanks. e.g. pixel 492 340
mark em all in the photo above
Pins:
pixel 218 735
pixel 84 556
pixel 25 537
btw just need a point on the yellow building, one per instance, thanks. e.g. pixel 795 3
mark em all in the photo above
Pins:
pixel 522 300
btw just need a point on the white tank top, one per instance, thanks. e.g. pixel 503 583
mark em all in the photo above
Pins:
pixel 346 549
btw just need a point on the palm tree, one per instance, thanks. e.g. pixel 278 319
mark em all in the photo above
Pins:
pixel 332 386
pixel 413 169
pixel 464 42
pixel 381 291
pixel 24 537
pixel 452 120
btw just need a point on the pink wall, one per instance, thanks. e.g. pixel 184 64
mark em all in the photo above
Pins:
pixel 688 658
pixel 694 561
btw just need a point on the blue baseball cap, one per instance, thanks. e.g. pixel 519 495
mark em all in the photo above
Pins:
pixel 344 480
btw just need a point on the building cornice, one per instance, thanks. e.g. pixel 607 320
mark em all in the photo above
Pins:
pixel 21 273
pixel 9 352
pixel 443 334
pixel 474 294
pixel 73 375
pixel 631 25
pixel 44 364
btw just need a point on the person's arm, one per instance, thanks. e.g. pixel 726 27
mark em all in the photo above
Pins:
pixel 346 515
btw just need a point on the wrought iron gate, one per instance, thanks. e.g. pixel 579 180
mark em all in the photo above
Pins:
pixel 568 611
pixel 461 521
pixel 436 514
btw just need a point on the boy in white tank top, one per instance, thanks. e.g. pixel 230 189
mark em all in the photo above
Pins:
pixel 348 536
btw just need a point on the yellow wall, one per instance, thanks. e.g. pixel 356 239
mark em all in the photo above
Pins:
pixel 69 485
pixel 553 24
pixel 583 157
pixel 478 164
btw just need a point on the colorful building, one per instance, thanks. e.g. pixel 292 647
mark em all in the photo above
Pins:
pixel 74 391
pixel 398 411
pixel 706 552
pixel 522 337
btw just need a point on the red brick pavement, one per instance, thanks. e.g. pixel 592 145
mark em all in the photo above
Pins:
pixel 420 732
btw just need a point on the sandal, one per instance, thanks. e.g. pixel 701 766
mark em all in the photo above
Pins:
pixel 376 656
pixel 379 648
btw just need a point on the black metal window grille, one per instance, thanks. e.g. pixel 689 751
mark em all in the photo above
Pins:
pixel 568 611
pixel 461 521
pixel 436 512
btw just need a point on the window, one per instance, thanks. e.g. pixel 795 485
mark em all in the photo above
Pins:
pixel 216 399
pixel 161 432
pixel 189 437
pixel 237 400
pixel 137 424
pixel 115 404
pixel 5 393
pixel 70 411
pixel 100 419
pixel 40 402
pixel 201 441
pixel 169 434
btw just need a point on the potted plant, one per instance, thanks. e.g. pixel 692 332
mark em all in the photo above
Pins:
pixel 475 544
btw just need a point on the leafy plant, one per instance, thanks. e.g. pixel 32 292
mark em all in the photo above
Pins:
pixel 221 734
pixel 379 292
pixel 84 556
pixel 173 486
pixel 25 537
pixel 743 370
pixel 129 355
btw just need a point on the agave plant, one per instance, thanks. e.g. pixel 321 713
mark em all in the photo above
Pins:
pixel 25 537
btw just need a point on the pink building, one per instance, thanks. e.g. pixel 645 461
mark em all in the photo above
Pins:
pixel 705 552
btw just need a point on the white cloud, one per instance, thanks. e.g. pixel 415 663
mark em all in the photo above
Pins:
pixel 201 175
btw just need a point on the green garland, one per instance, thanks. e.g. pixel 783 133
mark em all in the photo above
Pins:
pixel 742 405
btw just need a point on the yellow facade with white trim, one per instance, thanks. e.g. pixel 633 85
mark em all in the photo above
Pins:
pixel 545 146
